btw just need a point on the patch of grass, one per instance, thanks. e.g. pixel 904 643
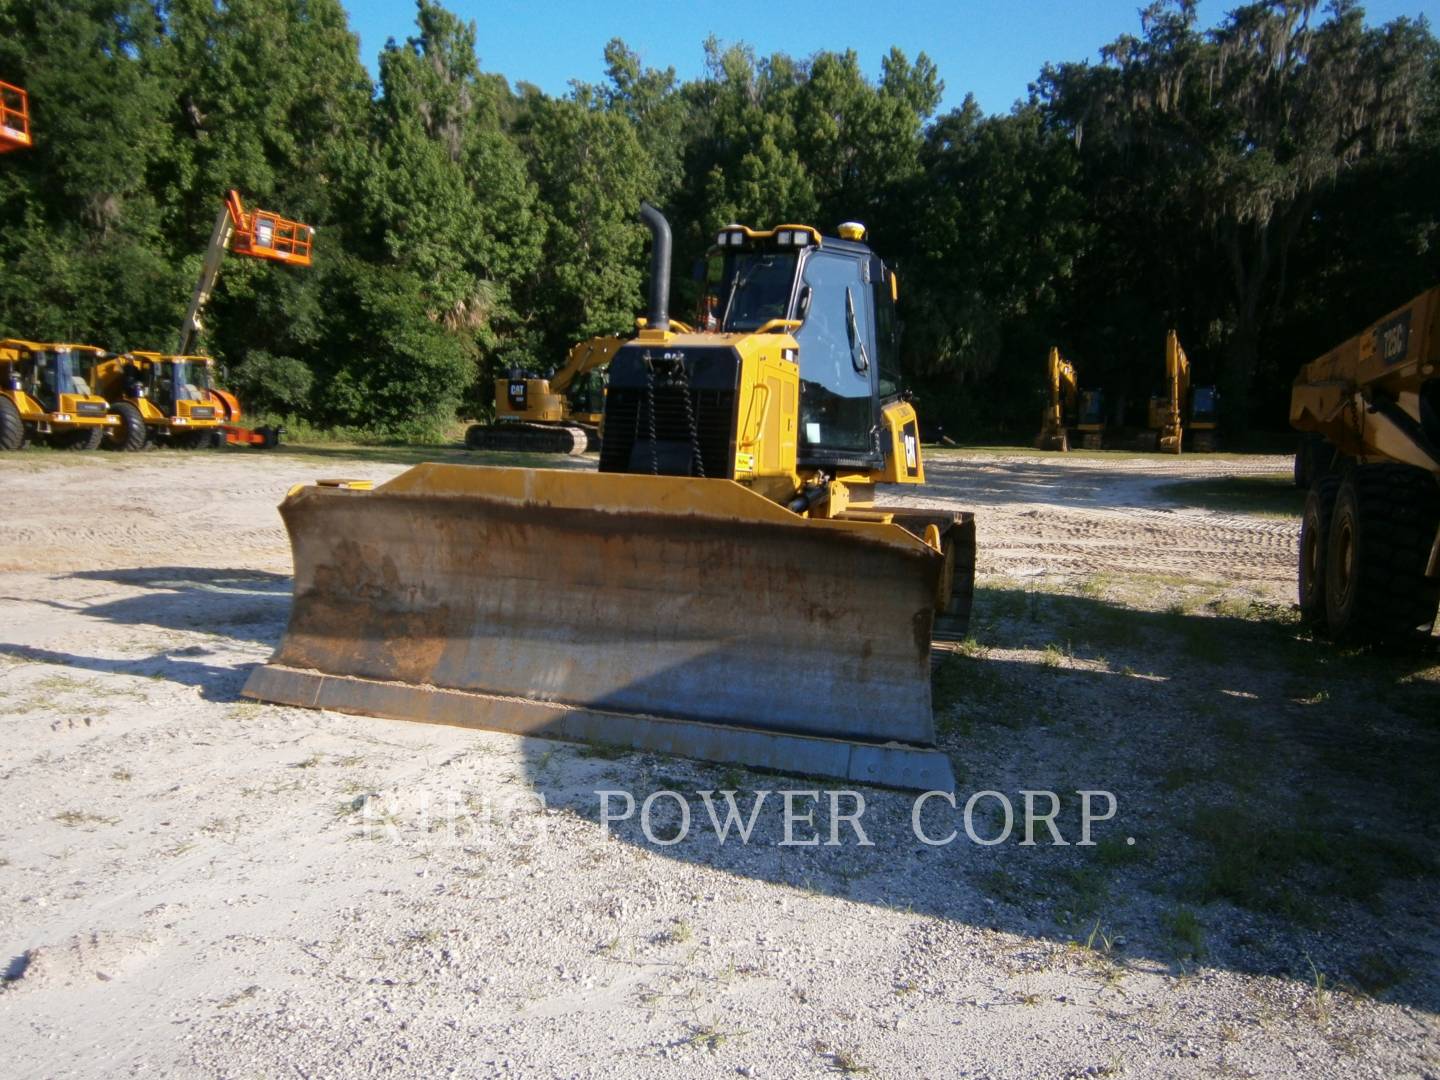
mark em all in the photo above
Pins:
pixel 1375 973
pixel 74 819
pixel 1271 495
pixel 1085 889
pixel 840 1060
pixel 1259 862
pixel 1181 775
pixel 1002 885
pixel 1185 928
pixel 122 774
pixel 603 751
pixel 1114 852
pixel 711 1037
pixel 1055 655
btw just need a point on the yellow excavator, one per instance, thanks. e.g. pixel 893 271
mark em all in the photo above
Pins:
pixel 45 393
pixel 1168 419
pixel 560 414
pixel 1065 394
pixel 160 400
pixel 725 587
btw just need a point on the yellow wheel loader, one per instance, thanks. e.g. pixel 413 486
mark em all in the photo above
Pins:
pixel 556 415
pixel 45 393
pixel 1369 569
pixel 725 587
pixel 160 400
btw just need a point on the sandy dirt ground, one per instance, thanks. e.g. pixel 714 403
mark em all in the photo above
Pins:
pixel 195 884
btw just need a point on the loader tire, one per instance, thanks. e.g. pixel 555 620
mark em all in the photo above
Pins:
pixel 1314 543
pixel 1381 535
pixel 131 434
pixel 12 428
pixel 84 439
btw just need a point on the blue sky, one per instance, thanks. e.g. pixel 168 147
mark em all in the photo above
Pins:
pixel 991 48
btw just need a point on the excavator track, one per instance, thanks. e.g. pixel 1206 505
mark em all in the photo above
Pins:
pixel 524 437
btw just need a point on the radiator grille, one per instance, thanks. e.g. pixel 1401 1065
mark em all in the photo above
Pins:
pixel 626 446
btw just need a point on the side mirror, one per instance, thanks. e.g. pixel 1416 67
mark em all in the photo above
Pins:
pixel 802 309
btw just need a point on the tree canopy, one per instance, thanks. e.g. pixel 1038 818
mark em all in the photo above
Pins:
pixel 1264 185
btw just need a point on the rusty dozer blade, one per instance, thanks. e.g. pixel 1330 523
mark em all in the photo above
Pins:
pixel 682 616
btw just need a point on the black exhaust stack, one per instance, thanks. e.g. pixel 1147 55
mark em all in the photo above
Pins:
pixel 658 317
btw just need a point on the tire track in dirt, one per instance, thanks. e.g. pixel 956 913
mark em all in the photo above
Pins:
pixel 1039 517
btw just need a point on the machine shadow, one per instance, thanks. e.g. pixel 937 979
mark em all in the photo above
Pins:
pixel 246 605
pixel 235 605
pixel 1217 735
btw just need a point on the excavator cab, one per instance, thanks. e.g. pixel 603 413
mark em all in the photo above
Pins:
pixel 14 118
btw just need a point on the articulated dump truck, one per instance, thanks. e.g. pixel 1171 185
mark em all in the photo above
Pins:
pixel 1370 537
pixel 725 587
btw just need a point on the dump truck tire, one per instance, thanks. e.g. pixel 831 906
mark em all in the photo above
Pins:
pixel 131 434
pixel 12 428
pixel 1381 535
pixel 1314 543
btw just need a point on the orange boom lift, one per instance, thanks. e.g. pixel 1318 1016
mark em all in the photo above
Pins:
pixel 14 118
pixel 259 234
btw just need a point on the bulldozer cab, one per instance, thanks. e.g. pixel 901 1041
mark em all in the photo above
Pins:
pixel 841 299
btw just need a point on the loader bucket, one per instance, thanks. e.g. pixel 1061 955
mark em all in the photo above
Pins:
pixel 669 614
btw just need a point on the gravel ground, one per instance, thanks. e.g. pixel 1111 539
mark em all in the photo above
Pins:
pixel 200 885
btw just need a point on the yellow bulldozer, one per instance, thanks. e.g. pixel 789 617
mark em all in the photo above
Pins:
pixel 1369 568
pixel 560 414
pixel 161 400
pixel 725 587
pixel 45 394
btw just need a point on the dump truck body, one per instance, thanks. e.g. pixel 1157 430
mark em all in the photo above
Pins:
pixel 725 587
pixel 1370 537
pixel 45 393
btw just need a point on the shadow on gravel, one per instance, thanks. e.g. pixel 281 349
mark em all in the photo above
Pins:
pixel 1279 792
pixel 239 605
pixel 247 605
pixel 1274 798
pixel 215 683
